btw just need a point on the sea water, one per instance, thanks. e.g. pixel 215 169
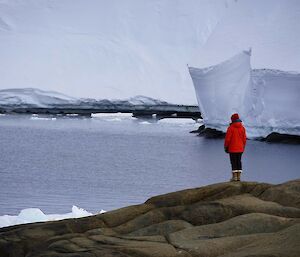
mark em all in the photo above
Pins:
pixel 110 161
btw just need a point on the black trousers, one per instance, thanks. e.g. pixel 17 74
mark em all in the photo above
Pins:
pixel 235 160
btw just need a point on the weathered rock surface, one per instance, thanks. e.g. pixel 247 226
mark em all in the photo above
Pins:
pixel 228 219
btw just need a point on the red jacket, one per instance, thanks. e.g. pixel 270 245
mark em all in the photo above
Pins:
pixel 235 140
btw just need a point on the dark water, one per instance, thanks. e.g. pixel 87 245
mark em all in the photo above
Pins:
pixel 106 163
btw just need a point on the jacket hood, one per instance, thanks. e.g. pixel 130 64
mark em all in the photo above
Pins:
pixel 236 124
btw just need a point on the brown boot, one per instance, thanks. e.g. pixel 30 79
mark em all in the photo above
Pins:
pixel 234 176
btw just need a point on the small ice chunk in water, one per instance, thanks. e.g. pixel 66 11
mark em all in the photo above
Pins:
pixel 179 121
pixel 79 212
pixel 31 215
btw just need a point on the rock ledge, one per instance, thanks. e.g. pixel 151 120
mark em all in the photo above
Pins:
pixel 226 219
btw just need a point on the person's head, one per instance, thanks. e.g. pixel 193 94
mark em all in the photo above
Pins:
pixel 235 117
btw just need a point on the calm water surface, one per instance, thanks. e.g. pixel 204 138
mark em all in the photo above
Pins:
pixel 108 162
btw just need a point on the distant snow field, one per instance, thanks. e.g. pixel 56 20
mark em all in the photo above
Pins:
pixel 33 97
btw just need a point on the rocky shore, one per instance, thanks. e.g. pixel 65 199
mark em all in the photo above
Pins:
pixel 226 219
pixel 274 137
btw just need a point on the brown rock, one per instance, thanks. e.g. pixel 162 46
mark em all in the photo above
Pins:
pixel 162 228
pixel 226 219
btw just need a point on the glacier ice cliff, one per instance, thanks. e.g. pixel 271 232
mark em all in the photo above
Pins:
pixel 104 49
pixel 267 100
pixel 117 49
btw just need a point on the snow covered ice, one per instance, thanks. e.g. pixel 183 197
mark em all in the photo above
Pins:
pixel 33 97
pixel 178 121
pixel 31 215
pixel 267 100
pixel 118 49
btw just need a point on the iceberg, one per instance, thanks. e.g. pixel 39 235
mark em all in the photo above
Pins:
pixel 267 100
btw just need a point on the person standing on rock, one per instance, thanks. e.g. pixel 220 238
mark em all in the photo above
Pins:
pixel 235 142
